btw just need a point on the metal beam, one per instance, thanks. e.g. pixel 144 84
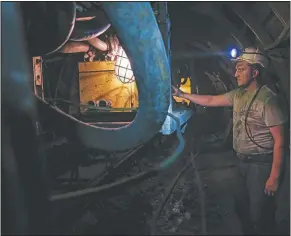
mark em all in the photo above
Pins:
pixel 264 39
pixel 282 11
pixel 214 11
pixel 252 23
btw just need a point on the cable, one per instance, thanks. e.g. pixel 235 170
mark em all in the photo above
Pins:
pixel 165 164
pixel 201 196
pixel 83 192
pixel 168 193
pixel 59 79
pixel 247 113
pixel 128 155
pixel 169 161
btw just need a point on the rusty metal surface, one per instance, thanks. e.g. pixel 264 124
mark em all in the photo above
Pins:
pixel 98 82
pixel 138 31
pixel 38 78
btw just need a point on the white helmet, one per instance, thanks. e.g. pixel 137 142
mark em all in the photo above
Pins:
pixel 253 56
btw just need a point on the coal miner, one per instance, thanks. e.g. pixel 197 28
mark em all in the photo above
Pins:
pixel 259 119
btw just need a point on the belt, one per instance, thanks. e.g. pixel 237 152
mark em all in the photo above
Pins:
pixel 264 158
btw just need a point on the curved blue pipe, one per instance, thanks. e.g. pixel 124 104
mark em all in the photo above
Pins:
pixel 140 36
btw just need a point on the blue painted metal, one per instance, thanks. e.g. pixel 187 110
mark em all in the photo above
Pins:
pixel 170 126
pixel 175 155
pixel 182 114
pixel 164 23
pixel 140 36
pixel 25 208
pixel 16 72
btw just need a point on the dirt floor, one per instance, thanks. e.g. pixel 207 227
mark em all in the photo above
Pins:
pixel 182 214
pixel 133 211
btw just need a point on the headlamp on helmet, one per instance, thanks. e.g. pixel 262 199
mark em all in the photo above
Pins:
pixel 250 55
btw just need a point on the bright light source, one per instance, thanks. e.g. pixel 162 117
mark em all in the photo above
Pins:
pixel 123 69
pixel 233 53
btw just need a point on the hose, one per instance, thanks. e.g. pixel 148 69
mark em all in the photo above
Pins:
pixel 177 152
pixel 83 192
pixel 80 46
pixel 169 161
pixel 168 193
pixel 99 44
pixel 164 165
pixel 246 118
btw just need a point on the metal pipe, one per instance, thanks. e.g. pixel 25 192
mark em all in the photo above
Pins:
pixel 140 36
pixel 99 44
pixel 85 30
pixel 25 208
pixel 85 18
pixel 75 47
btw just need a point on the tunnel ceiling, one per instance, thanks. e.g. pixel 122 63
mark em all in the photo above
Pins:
pixel 196 26
pixel 219 25
pixel 221 22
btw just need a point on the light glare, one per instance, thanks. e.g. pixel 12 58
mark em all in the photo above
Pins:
pixel 233 53
pixel 123 69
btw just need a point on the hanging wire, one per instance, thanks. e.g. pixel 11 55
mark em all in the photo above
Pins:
pixel 141 176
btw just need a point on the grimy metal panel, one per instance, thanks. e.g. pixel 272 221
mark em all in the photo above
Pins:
pixel 97 82
pixel 140 36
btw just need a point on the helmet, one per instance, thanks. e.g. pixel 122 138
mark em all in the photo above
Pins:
pixel 253 56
